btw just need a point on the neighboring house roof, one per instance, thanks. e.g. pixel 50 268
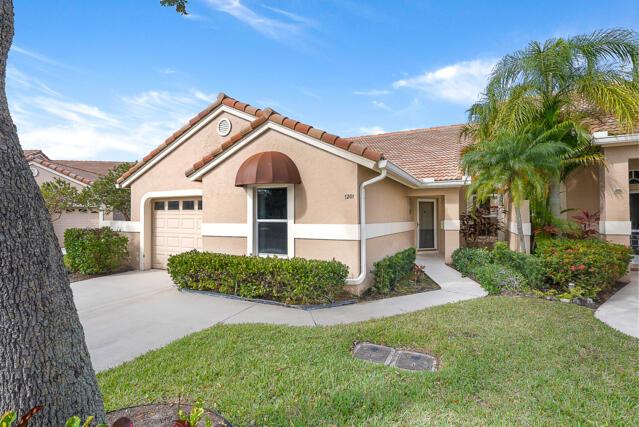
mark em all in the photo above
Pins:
pixel 222 99
pixel 608 123
pixel 85 171
pixel 424 153
pixel 268 115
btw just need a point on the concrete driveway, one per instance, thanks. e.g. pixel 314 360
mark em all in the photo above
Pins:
pixel 126 315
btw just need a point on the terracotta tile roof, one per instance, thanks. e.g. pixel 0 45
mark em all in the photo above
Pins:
pixel 268 114
pixel 609 124
pixel 29 154
pixel 423 153
pixel 222 98
pixel 85 171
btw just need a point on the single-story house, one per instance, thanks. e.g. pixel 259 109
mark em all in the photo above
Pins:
pixel 242 180
pixel 78 173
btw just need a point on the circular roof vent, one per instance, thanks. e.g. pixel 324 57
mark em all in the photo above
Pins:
pixel 224 127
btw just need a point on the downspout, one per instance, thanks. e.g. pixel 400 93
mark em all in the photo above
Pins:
pixel 362 224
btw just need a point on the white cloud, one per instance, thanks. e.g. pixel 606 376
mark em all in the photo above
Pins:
pixel 68 128
pixel 372 130
pixel 380 105
pixel 38 57
pixel 166 70
pixel 460 83
pixel 372 92
pixel 274 28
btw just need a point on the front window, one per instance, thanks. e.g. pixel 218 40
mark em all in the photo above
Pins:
pixel 272 221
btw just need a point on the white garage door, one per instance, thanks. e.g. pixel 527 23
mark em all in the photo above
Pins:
pixel 177 225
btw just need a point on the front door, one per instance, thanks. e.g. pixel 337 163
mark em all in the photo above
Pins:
pixel 426 223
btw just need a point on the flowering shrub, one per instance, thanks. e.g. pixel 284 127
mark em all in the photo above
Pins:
pixel 590 264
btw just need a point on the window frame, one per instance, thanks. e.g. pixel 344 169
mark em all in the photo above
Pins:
pixel 253 245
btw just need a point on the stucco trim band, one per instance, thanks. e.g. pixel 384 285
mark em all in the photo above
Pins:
pixel 313 231
pixel 451 224
pixel 388 228
pixel 124 226
pixel 622 228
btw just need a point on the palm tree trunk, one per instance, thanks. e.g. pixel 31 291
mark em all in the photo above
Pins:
pixel 44 360
pixel 555 198
pixel 520 229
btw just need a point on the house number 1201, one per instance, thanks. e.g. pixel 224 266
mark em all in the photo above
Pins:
pixel 349 196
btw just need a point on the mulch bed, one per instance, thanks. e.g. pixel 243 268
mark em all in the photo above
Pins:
pixel 160 415
pixel 414 283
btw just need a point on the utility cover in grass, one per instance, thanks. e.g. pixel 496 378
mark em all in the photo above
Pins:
pixel 403 359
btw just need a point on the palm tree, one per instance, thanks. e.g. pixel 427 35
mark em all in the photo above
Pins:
pixel 563 84
pixel 516 164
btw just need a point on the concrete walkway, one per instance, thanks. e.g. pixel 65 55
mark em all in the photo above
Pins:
pixel 126 315
pixel 621 311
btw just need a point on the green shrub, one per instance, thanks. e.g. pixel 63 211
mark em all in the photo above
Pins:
pixel 292 281
pixel 94 250
pixel 496 278
pixel 590 264
pixel 528 266
pixel 467 260
pixel 389 270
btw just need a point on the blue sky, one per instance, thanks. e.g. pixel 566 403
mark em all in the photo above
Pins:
pixel 110 80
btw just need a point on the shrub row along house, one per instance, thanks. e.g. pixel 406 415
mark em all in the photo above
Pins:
pixel 241 180
pixel 79 174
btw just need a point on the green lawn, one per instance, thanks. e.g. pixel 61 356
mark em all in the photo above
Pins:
pixel 504 360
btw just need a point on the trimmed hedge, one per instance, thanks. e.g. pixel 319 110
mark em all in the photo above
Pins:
pixel 496 278
pixel 590 264
pixel 389 270
pixel 499 269
pixel 528 266
pixel 467 260
pixel 292 281
pixel 94 250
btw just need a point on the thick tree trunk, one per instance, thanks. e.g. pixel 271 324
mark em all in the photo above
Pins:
pixel 520 229
pixel 44 359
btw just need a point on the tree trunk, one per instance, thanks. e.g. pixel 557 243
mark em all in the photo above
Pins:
pixel 554 196
pixel 520 229
pixel 44 359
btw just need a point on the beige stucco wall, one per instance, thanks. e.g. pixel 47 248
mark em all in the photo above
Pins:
pixel 74 219
pixel 380 247
pixel 615 188
pixel 133 256
pixel 386 200
pixel 319 199
pixel 228 245
pixel 582 190
pixel 346 251
pixel 168 173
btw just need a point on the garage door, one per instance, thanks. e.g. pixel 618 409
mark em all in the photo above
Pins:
pixel 176 227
